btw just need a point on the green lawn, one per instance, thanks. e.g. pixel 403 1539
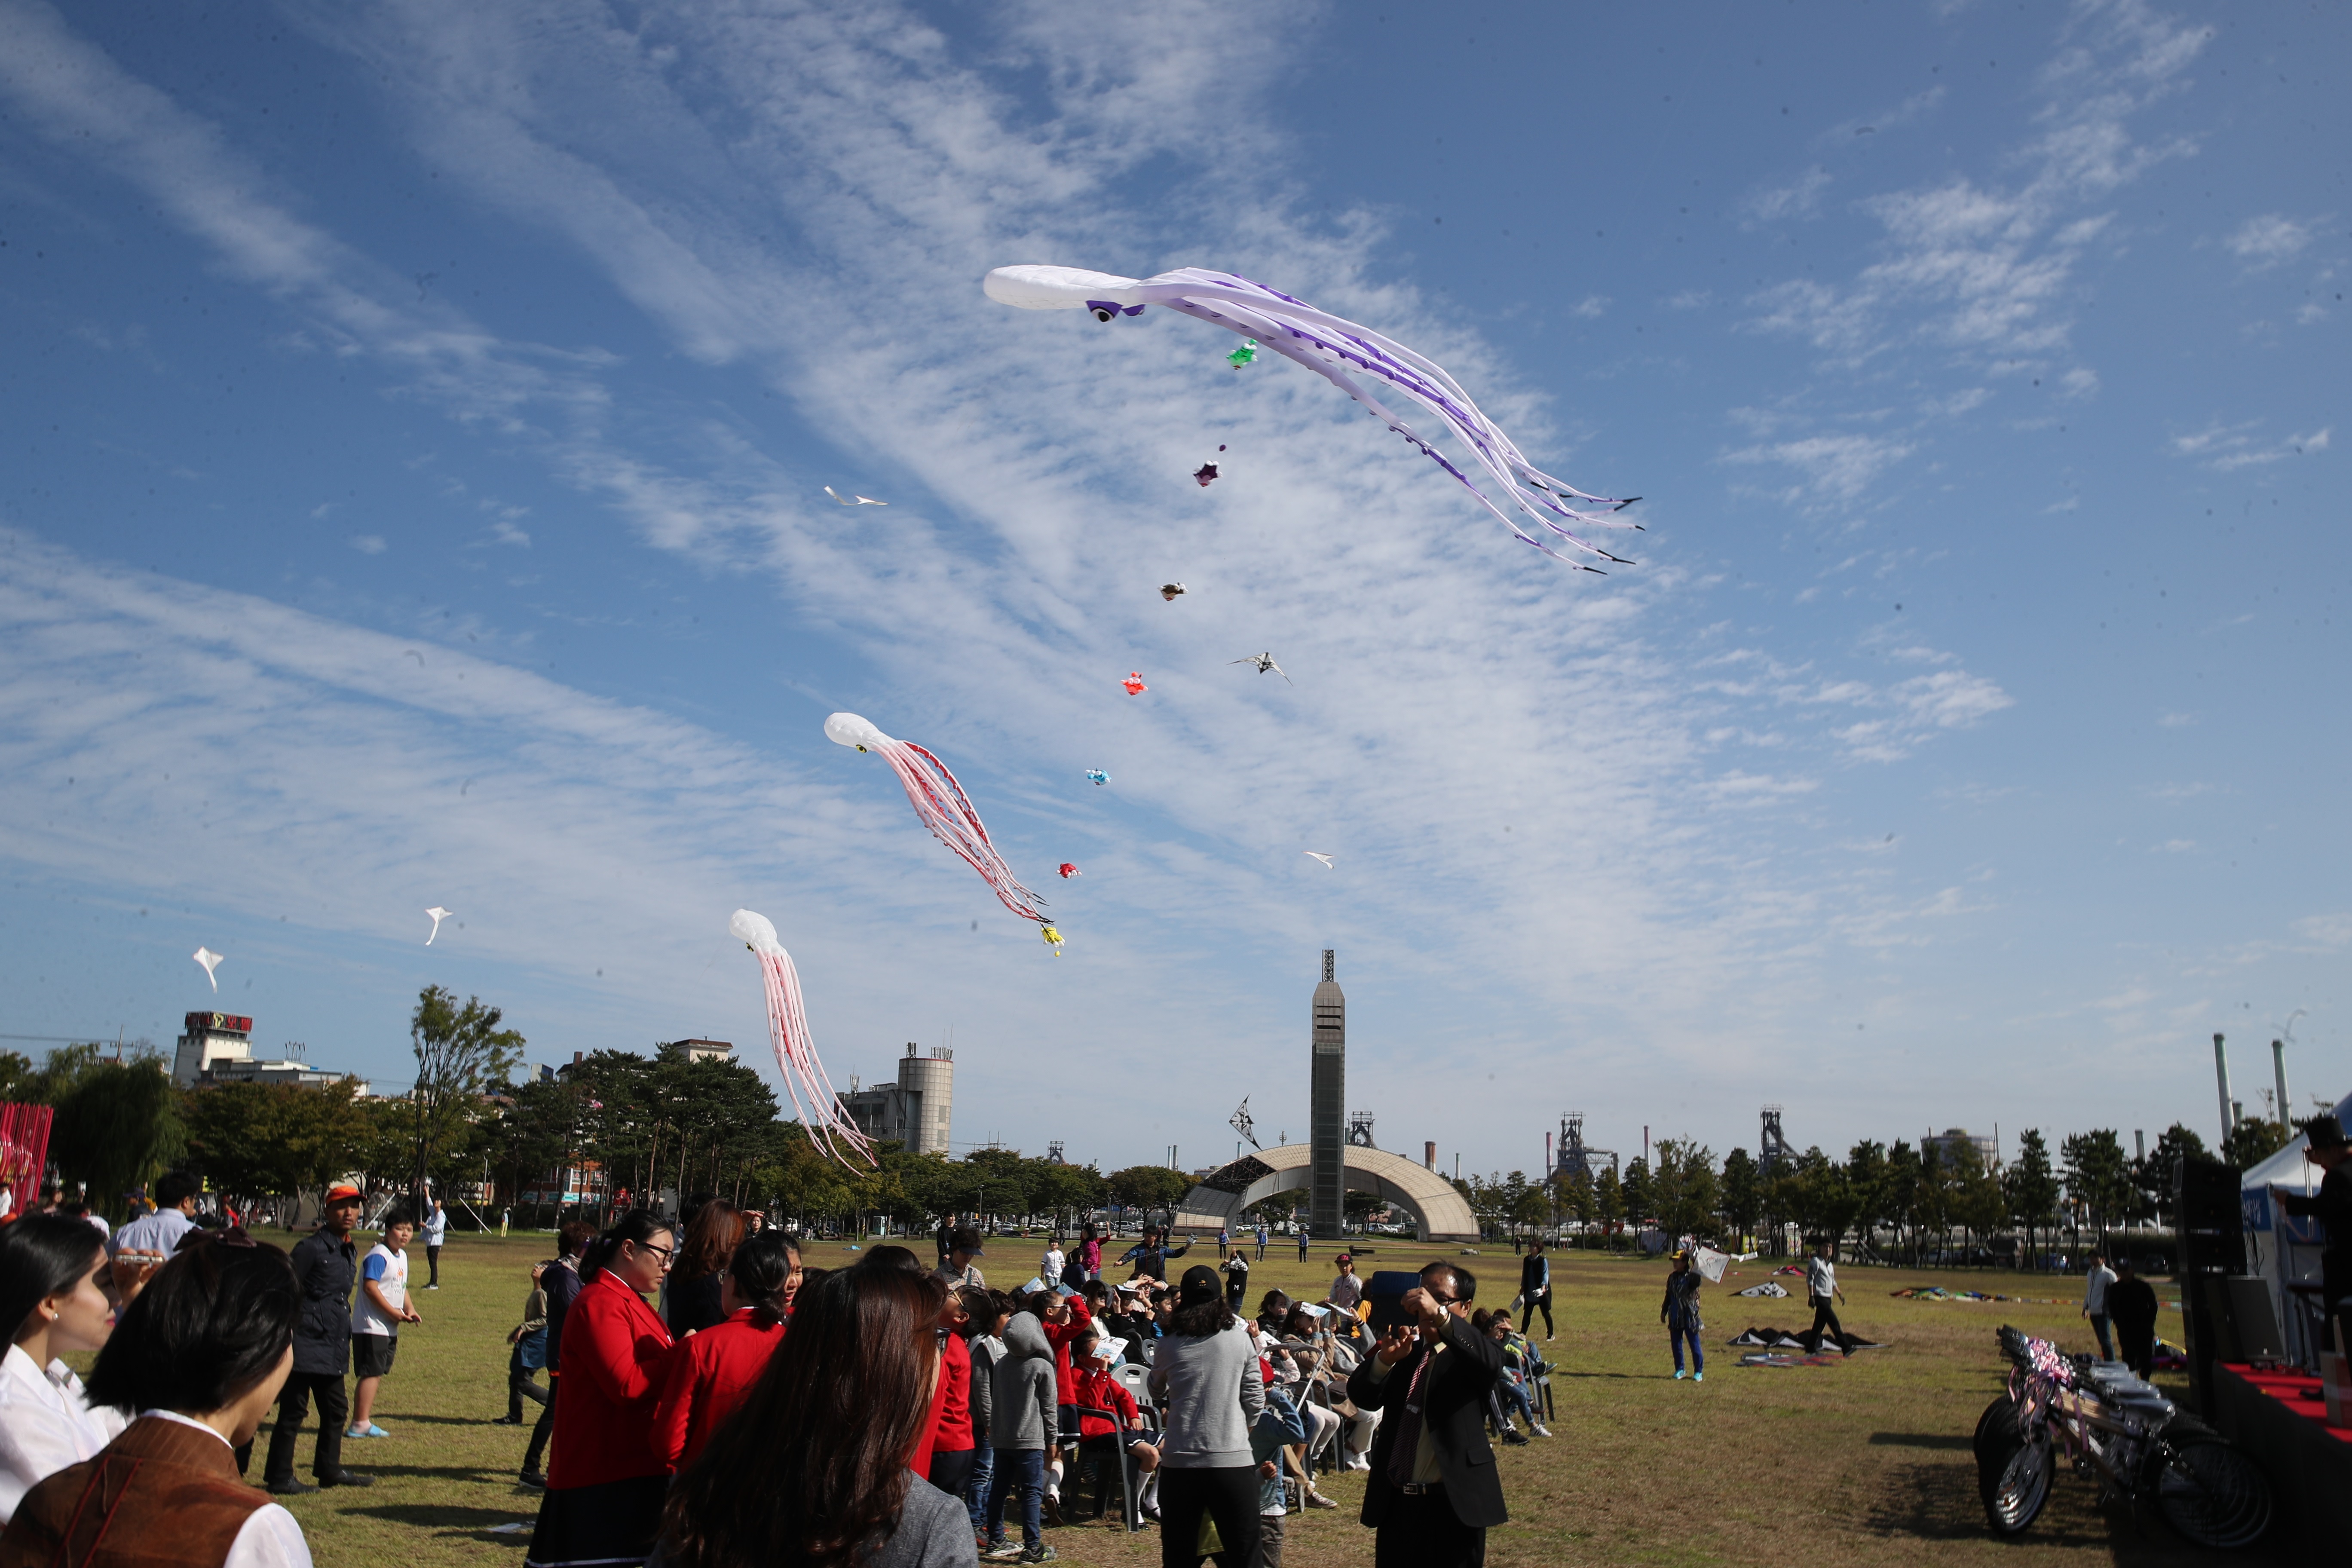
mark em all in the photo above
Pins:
pixel 1861 1462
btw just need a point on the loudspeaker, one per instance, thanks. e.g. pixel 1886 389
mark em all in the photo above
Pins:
pixel 2208 1212
pixel 2249 1322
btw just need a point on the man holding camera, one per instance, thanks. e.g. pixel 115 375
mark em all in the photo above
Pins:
pixel 1433 1492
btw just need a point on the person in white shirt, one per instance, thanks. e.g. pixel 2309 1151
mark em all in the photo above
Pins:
pixel 437 1231
pixel 1822 1287
pixel 2094 1302
pixel 56 1294
pixel 377 1312
pixel 201 1357
pixel 1049 1268
pixel 1347 1289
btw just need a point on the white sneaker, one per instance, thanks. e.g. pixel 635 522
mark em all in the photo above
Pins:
pixel 1538 1428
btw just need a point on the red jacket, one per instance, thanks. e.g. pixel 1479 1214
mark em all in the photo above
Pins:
pixel 710 1374
pixel 614 1353
pixel 1101 1391
pixel 948 1431
pixel 1059 1336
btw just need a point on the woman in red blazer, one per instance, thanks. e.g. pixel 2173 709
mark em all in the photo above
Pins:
pixel 710 1371
pixel 605 1483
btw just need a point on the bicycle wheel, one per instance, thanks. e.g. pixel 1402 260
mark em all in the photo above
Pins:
pixel 2208 1491
pixel 2015 1482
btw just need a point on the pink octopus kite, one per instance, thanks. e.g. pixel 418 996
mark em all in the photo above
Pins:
pixel 796 1060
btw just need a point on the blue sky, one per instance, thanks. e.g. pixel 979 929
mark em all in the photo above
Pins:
pixel 417 421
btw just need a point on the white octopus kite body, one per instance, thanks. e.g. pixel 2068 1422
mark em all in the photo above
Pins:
pixel 820 1111
pixel 1338 351
pixel 945 809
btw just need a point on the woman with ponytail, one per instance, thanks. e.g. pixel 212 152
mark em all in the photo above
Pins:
pixel 605 1482
pixel 812 1470
pixel 712 1371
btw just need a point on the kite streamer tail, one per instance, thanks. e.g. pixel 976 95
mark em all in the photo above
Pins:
pixel 948 812
pixel 814 1099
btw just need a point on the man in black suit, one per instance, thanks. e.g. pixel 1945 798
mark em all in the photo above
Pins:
pixel 1433 1491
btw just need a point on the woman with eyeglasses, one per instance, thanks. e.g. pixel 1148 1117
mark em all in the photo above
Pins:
pixel 605 1479
pixel 57 1295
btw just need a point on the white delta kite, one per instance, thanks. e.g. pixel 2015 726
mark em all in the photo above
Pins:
pixel 1341 353
pixel 211 961
pixel 438 914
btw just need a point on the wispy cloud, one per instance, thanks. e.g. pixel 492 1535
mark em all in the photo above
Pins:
pixel 2226 447
pixel 1836 466
pixel 2262 243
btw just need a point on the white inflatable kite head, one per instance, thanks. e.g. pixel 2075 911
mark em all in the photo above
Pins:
pixel 756 932
pixel 1035 287
pixel 850 730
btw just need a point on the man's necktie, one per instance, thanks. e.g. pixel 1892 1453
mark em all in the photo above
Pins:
pixel 1408 1434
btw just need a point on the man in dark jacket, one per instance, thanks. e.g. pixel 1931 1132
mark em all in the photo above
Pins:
pixel 1431 1492
pixel 2131 1306
pixel 325 1267
pixel 1534 1285
pixel 562 1283
pixel 2331 1205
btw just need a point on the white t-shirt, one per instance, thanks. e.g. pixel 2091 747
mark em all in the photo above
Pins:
pixel 437 1227
pixel 46 1425
pixel 389 1270
pixel 1820 1277
pixel 2095 1288
pixel 1050 1268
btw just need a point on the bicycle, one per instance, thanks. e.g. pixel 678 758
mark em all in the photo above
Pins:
pixel 2111 1426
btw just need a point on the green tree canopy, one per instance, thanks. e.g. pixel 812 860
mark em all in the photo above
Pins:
pixel 272 1139
pixel 1148 1187
pixel 460 1052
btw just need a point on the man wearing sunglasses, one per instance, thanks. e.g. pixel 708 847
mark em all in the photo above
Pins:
pixel 1431 1492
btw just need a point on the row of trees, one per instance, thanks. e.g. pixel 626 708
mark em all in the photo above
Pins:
pixel 1915 1197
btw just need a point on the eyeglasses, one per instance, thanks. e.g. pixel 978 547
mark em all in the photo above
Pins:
pixel 668 1254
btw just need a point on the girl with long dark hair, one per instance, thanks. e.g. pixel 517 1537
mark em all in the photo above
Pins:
pixel 711 1374
pixel 1208 1373
pixel 57 1295
pixel 203 1352
pixel 711 1237
pixel 812 1470
pixel 605 1481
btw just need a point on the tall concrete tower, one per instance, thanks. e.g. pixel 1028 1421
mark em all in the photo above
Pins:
pixel 1327 1187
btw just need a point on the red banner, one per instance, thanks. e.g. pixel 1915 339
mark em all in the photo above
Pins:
pixel 24 1150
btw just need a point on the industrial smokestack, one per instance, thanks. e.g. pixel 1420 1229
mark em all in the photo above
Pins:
pixel 2139 1143
pixel 1429 1154
pixel 2221 1075
pixel 2278 1070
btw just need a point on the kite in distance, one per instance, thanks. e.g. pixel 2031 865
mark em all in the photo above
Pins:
pixel 828 1127
pixel 1318 855
pixel 1340 352
pixel 1245 354
pixel 1134 683
pixel 1206 472
pixel 438 914
pixel 1069 870
pixel 1265 662
pixel 1171 592
pixel 943 807
pixel 854 499
pixel 211 961
pixel 1098 775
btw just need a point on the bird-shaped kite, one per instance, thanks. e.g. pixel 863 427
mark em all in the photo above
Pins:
pixel 853 500
pixel 211 961
pixel 1171 592
pixel 1245 354
pixel 1069 870
pixel 1318 855
pixel 943 807
pixel 1098 775
pixel 829 1127
pixel 1134 683
pixel 1265 662
pixel 1340 352
pixel 438 914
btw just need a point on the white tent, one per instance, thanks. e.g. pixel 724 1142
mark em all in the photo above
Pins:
pixel 2285 1250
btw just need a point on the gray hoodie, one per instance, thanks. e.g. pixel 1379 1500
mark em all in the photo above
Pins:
pixel 1214 1389
pixel 1023 1409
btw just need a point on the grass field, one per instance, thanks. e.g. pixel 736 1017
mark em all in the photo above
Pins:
pixel 1863 1462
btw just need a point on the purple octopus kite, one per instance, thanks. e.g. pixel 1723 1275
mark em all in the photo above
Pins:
pixel 1338 351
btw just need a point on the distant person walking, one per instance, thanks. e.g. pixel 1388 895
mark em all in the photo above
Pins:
pixel 437 1231
pixel 1237 1269
pixel 1679 1312
pixel 1535 1286
pixel 1050 1266
pixel 2096 1281
pixel 326 1265
pixel 1261 1241
pixel 1821 1290
pixel 2131 1303
pixel 560 1280
pixel 528 1340
pixel 1303 1241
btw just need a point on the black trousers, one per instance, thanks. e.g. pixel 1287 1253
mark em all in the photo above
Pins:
pixel 1825 1313
pixel 520 1385
pixel 2138 1343
pixel 951 1470
pixel 1227 1494
pixel 1537 1304
pixel 433 1262
pixel 293 1404
pixel 1422 1533
pixel 538 1434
